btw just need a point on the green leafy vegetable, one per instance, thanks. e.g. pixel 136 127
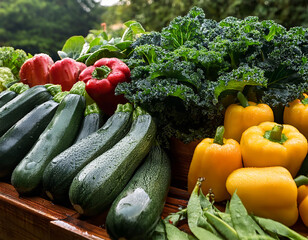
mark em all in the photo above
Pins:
pixel 98 45
pixel 6 78
pixel 13 59
pixel 187 74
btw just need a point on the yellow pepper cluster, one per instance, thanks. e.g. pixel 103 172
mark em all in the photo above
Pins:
pixel 258 158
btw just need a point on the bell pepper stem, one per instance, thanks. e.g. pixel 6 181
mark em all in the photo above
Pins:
pixel 242 99
pixel 101 72
pixel 301 180
pixel 305 101
pixel 276 132
pixel 218 139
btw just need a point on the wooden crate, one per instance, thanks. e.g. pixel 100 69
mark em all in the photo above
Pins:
pixel 36 218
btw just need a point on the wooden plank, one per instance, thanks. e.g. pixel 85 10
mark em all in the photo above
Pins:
pixel 35 218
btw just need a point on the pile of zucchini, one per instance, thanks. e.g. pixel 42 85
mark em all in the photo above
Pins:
pixel 53 145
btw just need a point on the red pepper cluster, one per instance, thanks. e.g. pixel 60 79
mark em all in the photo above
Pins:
pixel 41 69
pixel 101 78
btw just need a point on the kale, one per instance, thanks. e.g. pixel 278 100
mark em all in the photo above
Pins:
pixel 187 74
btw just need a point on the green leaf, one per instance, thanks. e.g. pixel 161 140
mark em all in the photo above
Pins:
pixel 238 78
pixel 73 47
pixel 133 28
pixel 123 45
pixel 83 58
pixel 110 47
pixel 103 53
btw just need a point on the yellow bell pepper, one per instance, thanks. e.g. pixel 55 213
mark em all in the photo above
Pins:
pixel 239 117
pixel 268 192
pixel 214 159
pixel 272 144
pixel 302 198
pixel 296 114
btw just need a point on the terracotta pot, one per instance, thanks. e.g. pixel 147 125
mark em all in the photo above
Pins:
pixel 181 155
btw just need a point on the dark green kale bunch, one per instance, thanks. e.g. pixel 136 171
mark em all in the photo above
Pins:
pixel 187 74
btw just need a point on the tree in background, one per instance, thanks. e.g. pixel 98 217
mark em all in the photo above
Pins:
pixel 43 25
pixel 156 14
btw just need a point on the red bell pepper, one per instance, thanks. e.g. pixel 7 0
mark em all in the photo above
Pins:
pixel 35 71
pixel 101 80
pixel 66 72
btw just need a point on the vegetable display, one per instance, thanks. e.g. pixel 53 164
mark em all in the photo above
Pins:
pixel 92 131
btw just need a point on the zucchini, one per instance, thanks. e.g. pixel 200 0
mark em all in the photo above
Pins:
pixel 6 96
pixel 91 123
pixel 22 104
pixel 60 172
pixel 11 92
pixel 58 135
pixel 136 211
pixel 19 139
pixel 97 185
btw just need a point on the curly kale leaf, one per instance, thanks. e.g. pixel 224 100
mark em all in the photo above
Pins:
pixel 183 29
pixel 239 78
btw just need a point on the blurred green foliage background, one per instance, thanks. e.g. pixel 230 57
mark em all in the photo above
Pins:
pixel 43 25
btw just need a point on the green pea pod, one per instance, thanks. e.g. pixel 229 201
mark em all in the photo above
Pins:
pixel 174 218
pixel 159 232
pixel 243 223
pixel 278 228
pixel 173 233
pixel 222 227
pixel 194 211
pixel 226 217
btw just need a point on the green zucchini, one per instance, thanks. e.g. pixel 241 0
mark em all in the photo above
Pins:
pixel 136 211
pixel 6 96
pixel 22 104
pixel 58 135
pixel 60 172
pixel 97 185
pixel 11 92
pixel 19 139
pixel 91 123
